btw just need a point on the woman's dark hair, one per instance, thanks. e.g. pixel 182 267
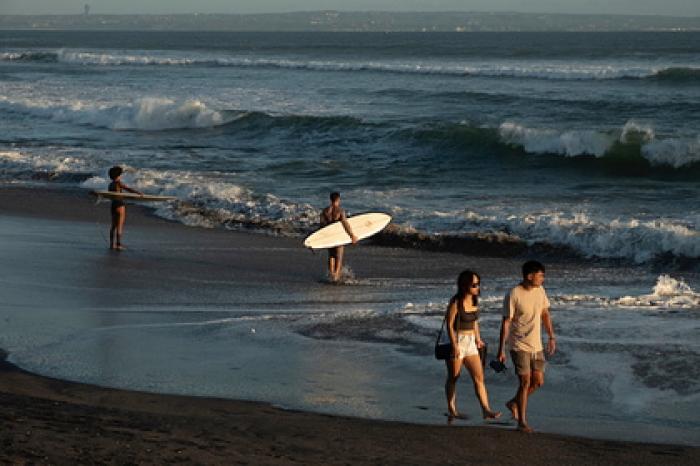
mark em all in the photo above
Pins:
pixel 464 284
pixel 115 172
pixel 532 267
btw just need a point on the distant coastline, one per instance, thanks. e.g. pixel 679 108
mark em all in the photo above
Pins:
pixel 337 21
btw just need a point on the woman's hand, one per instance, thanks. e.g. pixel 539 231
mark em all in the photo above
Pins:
pixel 480 343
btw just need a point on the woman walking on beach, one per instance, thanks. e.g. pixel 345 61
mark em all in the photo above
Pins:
pixel 462 322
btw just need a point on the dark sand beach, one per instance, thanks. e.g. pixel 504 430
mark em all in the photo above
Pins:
pixel 48 421
pixel 53 237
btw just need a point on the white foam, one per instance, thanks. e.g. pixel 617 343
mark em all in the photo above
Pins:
pixel 668 293
pixel 674 152
pixel 550 141
pixel 619 238
pixel 56 162
pixel 635 131
pixel 116 58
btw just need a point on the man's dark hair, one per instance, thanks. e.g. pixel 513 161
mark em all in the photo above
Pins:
pixel 532 267
pixel 115 172
pixel 335 196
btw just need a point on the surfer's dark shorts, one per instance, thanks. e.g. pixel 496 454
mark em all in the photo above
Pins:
pixel 334 253
pixel 526 362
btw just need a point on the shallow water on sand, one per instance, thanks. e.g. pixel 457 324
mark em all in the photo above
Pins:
pixel 626 366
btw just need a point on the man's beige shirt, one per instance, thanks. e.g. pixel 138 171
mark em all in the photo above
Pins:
pixel 524 307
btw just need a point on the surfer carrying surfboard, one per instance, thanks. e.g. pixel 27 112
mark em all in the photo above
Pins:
pixel 334 213
pixel 118 208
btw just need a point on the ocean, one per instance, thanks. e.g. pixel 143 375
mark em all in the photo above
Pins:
pixel 580 147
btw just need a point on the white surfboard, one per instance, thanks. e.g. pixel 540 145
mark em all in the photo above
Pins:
pixel 363 226
pixel 131 196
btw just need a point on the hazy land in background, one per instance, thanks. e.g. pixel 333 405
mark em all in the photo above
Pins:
pixel 356 21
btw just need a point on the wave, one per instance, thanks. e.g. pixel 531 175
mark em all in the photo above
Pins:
pixel 669 242
pixel 58 168
pixel 213 200
pixel 548 70
pixel 677 74
pixel 146 114
pixel 633 149
pixel 159 113
pixel 668 293
pixel 212 203
pixel 42 57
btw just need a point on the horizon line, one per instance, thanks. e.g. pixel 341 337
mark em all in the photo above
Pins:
pixel 196 13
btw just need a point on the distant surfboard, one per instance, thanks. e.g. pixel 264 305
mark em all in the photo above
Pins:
pixel 131 196
pixel 363 226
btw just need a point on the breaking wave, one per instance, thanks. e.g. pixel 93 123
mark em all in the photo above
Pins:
pixel 668 293
pixel 633 149
pixel 635 144
pixel 147 114
pixel 214 200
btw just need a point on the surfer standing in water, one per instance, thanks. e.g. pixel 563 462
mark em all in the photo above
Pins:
pixel 118 208
pixel 334 213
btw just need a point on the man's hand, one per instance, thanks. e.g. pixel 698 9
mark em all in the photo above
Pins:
pixel 502 357
pixel 551 346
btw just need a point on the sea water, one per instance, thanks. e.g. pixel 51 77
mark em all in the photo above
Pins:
pixel 583 147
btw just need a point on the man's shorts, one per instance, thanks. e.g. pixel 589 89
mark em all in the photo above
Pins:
pixel 526 362
pixel 466 342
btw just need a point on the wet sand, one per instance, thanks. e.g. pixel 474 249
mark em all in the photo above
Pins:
pixel 48 421
pixel 45 420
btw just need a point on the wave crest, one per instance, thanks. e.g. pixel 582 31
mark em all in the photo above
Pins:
pixel 635 143
pixel 547 70
pixel 668 292
pixel 146 114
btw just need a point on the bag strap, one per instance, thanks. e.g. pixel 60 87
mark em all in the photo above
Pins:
pixel 442 325
pixel 444 320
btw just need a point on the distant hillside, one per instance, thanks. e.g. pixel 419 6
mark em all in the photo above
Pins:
pixel 356 21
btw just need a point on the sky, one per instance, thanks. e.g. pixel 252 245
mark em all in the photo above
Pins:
pixel 644 7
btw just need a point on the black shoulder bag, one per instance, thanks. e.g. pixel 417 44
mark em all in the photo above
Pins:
pixel 444 350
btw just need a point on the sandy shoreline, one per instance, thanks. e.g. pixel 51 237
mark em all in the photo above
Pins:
pixel 49 421
pixel 70 421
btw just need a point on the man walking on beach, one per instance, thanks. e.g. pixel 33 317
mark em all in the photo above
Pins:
pixel 525 309
pixel 334 213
